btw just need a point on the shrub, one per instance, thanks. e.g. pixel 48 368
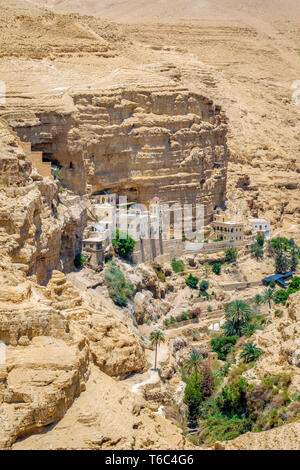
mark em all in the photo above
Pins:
pixel 57 173
pixel 223 428
pixel 203 286
pixel 159 273
pixel 192 281
pixel 185 316
pixel 232 399
pixel 119 290
pixel 272 284
pixel 79 260
pixel 216 267
pixel 230 255
pixel 222 345
pixel 209 308
pixel 294 284
pixel 195 313
pixel 123 244
pixel 250 353
pixel 177 265
pixel 248 330
pixel 281 296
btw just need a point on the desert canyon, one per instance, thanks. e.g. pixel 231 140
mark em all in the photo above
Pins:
pixel 190 102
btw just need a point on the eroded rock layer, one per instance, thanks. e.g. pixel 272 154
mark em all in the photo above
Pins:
pixel 141 142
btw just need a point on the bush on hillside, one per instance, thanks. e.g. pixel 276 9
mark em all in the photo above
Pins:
pixel 177 265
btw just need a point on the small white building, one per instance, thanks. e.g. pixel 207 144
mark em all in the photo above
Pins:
pixel 135 223
pixel 261 226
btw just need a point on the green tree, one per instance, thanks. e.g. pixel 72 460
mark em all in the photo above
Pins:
pixel 193 395
pixel 216 267
pixel 258 299
pixel 294 259
pixel 250 352
pixel 194 362
pixel 207 381
pixel 123 244
pixel 192 281
pixel 79 260
pixel 156 338
pixel 260 239
pixel 256 251
pixel 238 312
pixel 230 255
pixel 203 286
pixel 268 297
pixel 282 261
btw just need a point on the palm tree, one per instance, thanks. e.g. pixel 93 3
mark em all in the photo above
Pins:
pixel 194 362
pixel 268 297
pixel 250 352
pixel 238 313
pixel 258 299
pixel 157 337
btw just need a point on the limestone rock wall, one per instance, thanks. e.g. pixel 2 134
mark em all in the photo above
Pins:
pixel 164 141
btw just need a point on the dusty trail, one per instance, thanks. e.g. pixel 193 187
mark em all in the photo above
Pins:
pixel 137 381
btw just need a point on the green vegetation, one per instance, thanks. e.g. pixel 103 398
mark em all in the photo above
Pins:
pixel 216 267
pixel 123 244
pixel 57 172
pixel 268 297
pixel 260 240
pixel 79 260
pixel 282 295
pixel 230 255
pixel 159 272
pixel 250 353
pixel 156 338
pixel 192 281
pixel 294 259
pixel 203 286
pixel 193 396
pixel 119 290
pixel 285 252
pixel 194 362
pixel 177 265
pixel 256 251
pixel 222 345
pixel 237 315
pixel 258 299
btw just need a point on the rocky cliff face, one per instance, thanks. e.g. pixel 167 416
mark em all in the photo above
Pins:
pixel 141 142
pixel 41 228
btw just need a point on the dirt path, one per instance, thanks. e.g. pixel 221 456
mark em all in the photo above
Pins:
pixel 137 381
